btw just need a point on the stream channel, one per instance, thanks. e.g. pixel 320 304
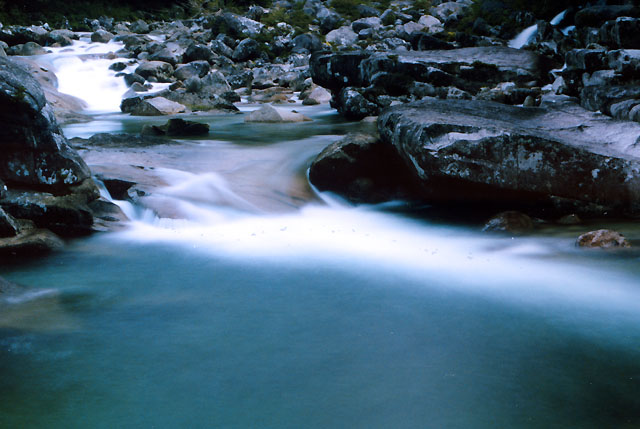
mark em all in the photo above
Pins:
pixel 259 303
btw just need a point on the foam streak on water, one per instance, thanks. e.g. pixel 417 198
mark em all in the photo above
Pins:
pixel 362 238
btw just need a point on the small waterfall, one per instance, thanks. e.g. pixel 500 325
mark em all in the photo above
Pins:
pixel 558 18
pixel 524 37
pixel 527 35
pixel 83 71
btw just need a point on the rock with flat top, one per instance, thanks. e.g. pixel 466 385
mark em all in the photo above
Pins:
pixel 158 106
pixel 489 152
pixel 268 113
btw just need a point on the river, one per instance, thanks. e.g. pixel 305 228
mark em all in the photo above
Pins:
pixel 263 304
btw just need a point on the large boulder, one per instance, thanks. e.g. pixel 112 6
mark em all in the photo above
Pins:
pixel 34 152
pixel 484 151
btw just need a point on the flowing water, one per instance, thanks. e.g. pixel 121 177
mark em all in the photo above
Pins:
pixel 266 305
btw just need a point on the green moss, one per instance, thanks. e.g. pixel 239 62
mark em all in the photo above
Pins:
pixel 296 17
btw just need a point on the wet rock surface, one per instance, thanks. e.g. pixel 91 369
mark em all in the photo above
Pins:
pixel 492 152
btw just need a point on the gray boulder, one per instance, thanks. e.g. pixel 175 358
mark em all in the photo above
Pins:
pixel 343 36
pixel 248 49
pixel 483 151
pixel 101 36
pixel 157 106
pixel 199 52
pixel 353 105
pixel 171 53
pixel 192 69
pixel 139 27
pixel 159 70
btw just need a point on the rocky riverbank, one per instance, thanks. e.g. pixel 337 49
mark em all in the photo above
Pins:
pixel 464 116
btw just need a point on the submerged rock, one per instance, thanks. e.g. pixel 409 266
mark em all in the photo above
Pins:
pixel 485 151
pixel 603 238
pixel 177 127
pixel 268 113
pixel 512 222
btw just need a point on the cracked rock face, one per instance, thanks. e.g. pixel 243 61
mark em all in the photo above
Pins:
pixel 33 151
pixel 485 151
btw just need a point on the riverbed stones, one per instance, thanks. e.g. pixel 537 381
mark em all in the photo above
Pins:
pixel 157 106
pixel 483 151
pixel 270 114
pixel 602 238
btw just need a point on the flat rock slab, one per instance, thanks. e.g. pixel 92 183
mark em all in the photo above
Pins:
pixel 158 106
pixel 483 150
pixel 468 68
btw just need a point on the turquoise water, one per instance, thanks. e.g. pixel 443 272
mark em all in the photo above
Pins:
pixel 161 335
